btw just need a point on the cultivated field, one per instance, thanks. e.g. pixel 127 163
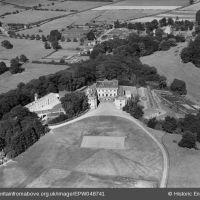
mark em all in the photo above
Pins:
pixel 75 5
pixel 169 64
pixel 32 71
pixel 32 16
pixel 184 167
pixel 33 49
pixel 57 160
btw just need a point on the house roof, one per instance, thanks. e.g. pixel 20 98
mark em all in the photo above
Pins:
pixel 107 84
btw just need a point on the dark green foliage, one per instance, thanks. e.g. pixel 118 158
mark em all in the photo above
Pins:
pixel 23 58
pixel 15 66
pixel 74 103
pixel 6 44
pixel 192 52
pixel 186 55
pixel 198 17
pixel 133 108
pixel 91 35
pixel 164 45
pixel 179 87
pixel 55 35
pixel 188 140
pixel 169 124
pixel 47 45
pixel 20 129
pixel 55 45
pixel 152 123
pixel 3 67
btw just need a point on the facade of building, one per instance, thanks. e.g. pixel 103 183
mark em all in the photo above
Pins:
pixel 107 90
pixel 46 107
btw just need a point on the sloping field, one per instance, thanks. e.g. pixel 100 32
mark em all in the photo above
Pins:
pixel 8 81
pixel 32 16
pixel 33 49
pixel 169 64
pixel 75 5
pixel 152 3
pixel 80 19
pixel 28 3
pixel 184 171
pixel 4 8
pixel 58 161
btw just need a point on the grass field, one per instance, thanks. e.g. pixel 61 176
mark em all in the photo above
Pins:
pixel 4 8
pixel 58 161
pixel 32 71
pixel 32 16
pixel 169 64
pixel 80 19
pixel 184 164
pixel 33 49
pixel 28 3
pixel 75 5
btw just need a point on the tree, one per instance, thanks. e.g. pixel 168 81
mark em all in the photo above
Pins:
pixel 55 35
pixel 198 17
pixel 75 103
pixel 44 39
pixel 55 45
pixel 91 35
pixel 164 45
pixel 3 67
pixel 169 124
pixel 38 37
pixel 179 86
pixel 163 22
pixel 23 58
pixel 152 123
pixel 170 21
pixel 15 66
pixel 6 44
pixel 134 108
pixel 47 45
pixel 186 55
pixel 188 140
pixel 191 2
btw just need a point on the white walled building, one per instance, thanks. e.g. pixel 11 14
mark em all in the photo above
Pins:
pixel 107 90
pixel 45 103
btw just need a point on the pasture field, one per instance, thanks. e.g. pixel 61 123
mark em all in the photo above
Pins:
pixel 58 160
pixel 29 3
pixel 31 16
pixel 169 64
pixel 75 5
pixel 184 167
pixel 152 3
pixel 62 23
pixel 4 8
pixel 32 71
pixel 33 49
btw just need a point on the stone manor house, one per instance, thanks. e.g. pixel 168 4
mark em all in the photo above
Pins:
pixel 49 106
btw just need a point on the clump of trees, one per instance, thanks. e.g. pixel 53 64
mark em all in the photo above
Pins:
pixel 19 130
pixel 192 52
pixel 3 68
pixel 74 104
pixel 134 108
pixel 15 66
pixel 188 127
pixel 6 44
pixel 179 87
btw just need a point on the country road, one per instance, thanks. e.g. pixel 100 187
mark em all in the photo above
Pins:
pixel 109 109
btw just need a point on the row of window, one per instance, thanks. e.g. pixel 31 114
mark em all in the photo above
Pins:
pixel 107 95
